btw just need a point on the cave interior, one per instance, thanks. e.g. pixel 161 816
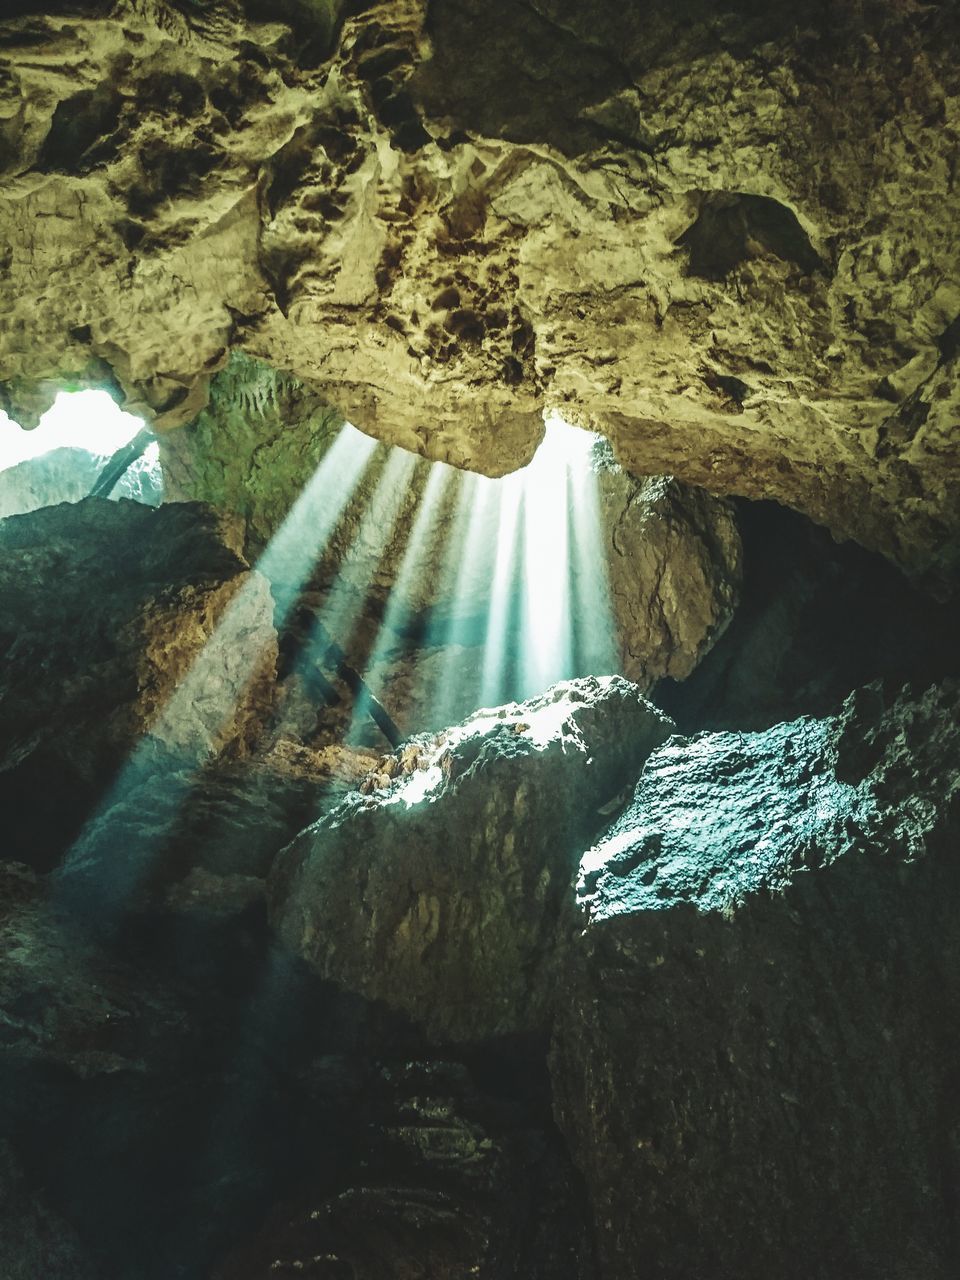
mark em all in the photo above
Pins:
pixel 479 640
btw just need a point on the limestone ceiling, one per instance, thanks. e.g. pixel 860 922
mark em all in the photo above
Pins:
pixel 725 237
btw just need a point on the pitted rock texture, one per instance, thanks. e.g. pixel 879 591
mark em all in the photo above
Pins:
pixel 439 891
pixel 723 237
pixel 753 1061
pixel 122 629
pixel 68 475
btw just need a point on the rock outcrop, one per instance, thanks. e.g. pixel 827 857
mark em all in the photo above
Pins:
pixel 753 1059
pixel 123 630
pixel 183 1099
pixel 725 238
pixel 440 891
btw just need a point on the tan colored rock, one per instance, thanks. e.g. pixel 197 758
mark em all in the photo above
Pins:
pixel 729 246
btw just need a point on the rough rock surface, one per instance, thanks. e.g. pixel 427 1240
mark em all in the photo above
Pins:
pixel 121 628
pixel 814 621
pixel 68 475
pixel 451 1183
pixel 439 891
pixel 723 237
pixel 754 1058
pixel 162 1089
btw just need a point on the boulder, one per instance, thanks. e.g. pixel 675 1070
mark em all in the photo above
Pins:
pixel 754 1060
pixel 440 890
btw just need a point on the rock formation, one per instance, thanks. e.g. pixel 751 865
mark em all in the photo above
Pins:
pixel 725 240
pixel 750 1062
pixel 124 630
pixel 469 842
pixel 649 974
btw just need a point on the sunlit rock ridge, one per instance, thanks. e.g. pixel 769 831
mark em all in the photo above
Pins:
pixel 723 236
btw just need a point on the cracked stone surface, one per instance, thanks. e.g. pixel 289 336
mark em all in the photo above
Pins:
pixel 722 237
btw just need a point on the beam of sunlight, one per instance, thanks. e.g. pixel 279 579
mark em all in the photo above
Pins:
pixel 503 588
pixel 549 613
pixel 467 573
pixel 189 728
pixel 546 616
pixel 293 550
pixel 398 605
pixel 346 598
pixel 596 648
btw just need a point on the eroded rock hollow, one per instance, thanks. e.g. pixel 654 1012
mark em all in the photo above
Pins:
pixel 480 793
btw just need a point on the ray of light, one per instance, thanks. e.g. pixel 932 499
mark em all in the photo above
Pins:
pixel 293 551
pixel 595 630
pixel 398 608
pixel 547 624
pixel 468 570
pixel 189 728
pixel 336 622
pixel 503 588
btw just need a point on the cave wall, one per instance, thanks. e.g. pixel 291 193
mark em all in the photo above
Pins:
pixel 724 237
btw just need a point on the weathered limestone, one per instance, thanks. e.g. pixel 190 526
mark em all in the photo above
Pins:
pixel 752 1060
pixel 440 890
pixel 724 240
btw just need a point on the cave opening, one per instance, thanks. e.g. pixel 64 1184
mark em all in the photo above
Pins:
pixel 64 456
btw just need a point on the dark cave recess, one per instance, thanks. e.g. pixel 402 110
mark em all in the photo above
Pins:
pixel 816 619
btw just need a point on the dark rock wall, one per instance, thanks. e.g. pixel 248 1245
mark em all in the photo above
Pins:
pixel 755 1064
pixel 816 619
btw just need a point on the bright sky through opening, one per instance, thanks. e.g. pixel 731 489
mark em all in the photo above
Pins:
pixel 77 419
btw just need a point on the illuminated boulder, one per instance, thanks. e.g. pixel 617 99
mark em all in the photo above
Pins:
pixel 753 1059
pixel 440 890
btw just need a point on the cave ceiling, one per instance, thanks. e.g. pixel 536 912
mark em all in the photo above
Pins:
pixel 725 236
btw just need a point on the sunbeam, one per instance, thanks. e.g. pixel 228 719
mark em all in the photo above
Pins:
pixel 399 609
pixel 189 728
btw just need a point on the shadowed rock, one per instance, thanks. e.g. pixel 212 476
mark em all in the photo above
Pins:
pixel 754 1060
pixel 120 627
